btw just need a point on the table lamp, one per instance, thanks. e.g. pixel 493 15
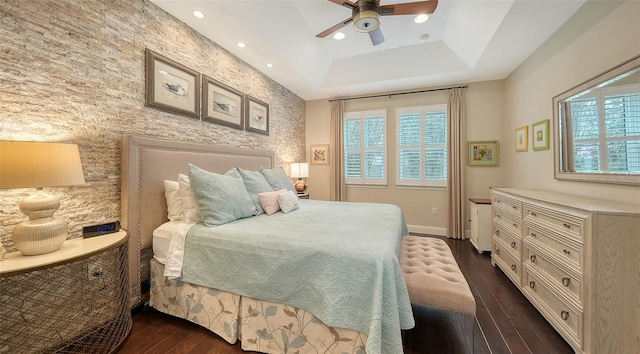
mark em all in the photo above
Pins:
pixel 34 164
pixel 300 171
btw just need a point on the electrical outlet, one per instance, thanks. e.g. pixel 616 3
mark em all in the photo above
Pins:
pixel 94 270
pixel 434 211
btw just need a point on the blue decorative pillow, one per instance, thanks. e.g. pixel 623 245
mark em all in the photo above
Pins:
pixel 278 179
pixel 255 183
pixel 222 198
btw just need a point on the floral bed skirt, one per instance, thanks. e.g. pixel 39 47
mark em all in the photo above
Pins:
pixel 261 325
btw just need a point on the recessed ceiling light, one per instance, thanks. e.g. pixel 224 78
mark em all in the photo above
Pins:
pixel 269 65
pixel 198 14
pixel 338 35
pixel 421 18
pixel 241 45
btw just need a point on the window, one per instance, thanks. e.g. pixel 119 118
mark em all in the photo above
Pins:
pixel 365 147
pixel 422 145
pixel 606 130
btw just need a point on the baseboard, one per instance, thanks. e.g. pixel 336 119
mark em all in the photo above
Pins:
pixel 427 230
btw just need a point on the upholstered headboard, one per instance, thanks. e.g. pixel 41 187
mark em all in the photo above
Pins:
pixel 146 163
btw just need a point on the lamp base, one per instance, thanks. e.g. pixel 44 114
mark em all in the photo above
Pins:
pixel 300 185
pixel 42 233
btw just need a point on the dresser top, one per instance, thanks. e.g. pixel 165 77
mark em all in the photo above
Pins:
pixel 574 201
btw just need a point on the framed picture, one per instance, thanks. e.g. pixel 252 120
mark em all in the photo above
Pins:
pixel 483 153
pixel 320 154
pixel 222 104
pixel 522 138
pixel 256 116
pixel 171 87
pixel 540 135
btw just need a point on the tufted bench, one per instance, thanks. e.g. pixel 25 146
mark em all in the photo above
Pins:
pixel 432 275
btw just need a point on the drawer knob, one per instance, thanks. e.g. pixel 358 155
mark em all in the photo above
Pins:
pixel 567 226
pixel 515 225
pixel 497 251
pixel 498 216
pixel 513 267
pixel 513 244
pixel 514 207
pixel 497 232
pixel 564 315
pixel 533 258
pixel 566 252
pixel 532 284
pixel 566 281
pixel 533 234
pixel 533 214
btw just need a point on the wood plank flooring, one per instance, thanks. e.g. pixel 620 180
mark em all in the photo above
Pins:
pixel 505 323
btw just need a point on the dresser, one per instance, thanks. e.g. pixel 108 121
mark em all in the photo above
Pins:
pixel 577 260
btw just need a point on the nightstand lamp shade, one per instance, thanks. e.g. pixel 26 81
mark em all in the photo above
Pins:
pixel 34 164
pixel 300 171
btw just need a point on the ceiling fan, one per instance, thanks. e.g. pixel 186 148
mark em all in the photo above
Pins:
pixel 365 15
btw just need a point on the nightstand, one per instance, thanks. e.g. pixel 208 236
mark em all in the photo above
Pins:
pixel 74 299
pixel 304 195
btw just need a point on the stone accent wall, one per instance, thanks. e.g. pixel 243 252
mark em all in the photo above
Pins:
pixel 74 71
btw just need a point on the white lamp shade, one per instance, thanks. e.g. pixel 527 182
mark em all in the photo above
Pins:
pixel 300 170
pixel 34 164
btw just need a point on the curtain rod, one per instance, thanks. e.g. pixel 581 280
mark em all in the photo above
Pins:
pixel 397 94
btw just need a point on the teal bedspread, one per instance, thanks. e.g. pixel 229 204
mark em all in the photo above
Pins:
pixel 337 260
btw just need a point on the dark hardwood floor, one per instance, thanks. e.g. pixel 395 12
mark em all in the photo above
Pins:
pixel 505 322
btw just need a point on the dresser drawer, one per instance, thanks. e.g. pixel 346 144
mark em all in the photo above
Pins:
pixel 566 250
pixel 509 220
pixel 506 235
pixel 570 225
pixel 508 204
pixel 566 319
pixel 508 262
pixel 571 284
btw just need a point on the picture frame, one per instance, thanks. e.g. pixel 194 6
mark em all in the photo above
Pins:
pixel 540 135
pixel 222 104
pixel 171 86
pixel 319 154
pixel 256 117
pixel 522 139
pixel 483 153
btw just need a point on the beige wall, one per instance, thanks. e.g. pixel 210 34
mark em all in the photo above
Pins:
pixel 74 71
pixel 599 36
pixel 484 119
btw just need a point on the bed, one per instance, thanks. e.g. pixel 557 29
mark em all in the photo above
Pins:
pixel 339 292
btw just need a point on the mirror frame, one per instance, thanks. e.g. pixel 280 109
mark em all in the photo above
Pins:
pixel 615 178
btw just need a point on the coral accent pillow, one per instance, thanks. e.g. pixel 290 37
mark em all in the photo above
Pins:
pixel 269 201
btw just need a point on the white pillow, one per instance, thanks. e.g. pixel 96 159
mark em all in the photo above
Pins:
pixel 269 201
pixel 175 211
pixel 288 201
pixel 189 204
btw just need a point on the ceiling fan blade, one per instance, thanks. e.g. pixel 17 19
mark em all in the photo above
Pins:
pixel 376 36
pixel 411 8
pixel 334 28
pixel 346 3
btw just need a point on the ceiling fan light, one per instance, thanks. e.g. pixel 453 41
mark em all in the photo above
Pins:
pixel 366 21
pixel 339 35
pixel 421 18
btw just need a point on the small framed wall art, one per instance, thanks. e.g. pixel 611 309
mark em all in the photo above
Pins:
pixel 522 138
pixel 171 87
pixel 540 135
pixel 256 116
pixel 222 104
pixel 483 153
pixel 319 154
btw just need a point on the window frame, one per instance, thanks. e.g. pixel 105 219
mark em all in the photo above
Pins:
pixel 362 116
pixel 422 181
